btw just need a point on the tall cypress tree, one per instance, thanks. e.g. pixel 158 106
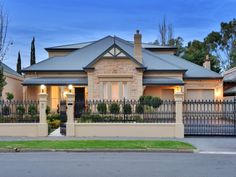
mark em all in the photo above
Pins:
pixel 32 53
pixel 2 79
pixel 18 65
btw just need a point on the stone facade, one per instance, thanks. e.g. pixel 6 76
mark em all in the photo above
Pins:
pixel 115 70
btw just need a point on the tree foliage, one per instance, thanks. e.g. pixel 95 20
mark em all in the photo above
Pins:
pixel 196 52
pixel 18 65
pixel 223 44
pixel 32 53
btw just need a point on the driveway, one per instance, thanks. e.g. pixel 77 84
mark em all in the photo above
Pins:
pixel 213 144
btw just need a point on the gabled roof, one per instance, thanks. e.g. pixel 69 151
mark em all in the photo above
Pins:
pixel 82 58
pixel 79 59
pixel 8 70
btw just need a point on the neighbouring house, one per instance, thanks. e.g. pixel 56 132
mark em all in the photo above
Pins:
pixel 113 68
pixel 13 83
pixel 230 82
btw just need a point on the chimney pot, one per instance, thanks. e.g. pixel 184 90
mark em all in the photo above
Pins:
pixel 207 63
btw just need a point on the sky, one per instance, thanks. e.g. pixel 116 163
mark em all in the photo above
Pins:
pixel 59 22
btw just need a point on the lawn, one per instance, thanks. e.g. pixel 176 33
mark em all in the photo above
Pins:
pixel 97 144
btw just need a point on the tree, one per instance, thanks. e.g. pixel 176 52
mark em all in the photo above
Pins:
pixel 177 42
pixel 223 44
pixel 166 33
pixel 196 52
pixel 32 53
pixel 18 65
pixel 3 45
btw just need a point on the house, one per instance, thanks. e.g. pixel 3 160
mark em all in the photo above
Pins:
pixel 13 83
pixel 230 82
pixel 113 68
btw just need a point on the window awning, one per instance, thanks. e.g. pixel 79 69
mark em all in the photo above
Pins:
pixel 56 81
pixel 162 81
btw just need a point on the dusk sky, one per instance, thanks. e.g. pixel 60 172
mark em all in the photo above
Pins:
pixel 58 22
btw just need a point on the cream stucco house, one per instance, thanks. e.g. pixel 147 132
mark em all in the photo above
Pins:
pixel 113 68
pixel 13 83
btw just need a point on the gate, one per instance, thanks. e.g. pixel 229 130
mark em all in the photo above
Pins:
pixel 209 117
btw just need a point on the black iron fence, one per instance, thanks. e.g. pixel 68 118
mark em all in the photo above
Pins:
pixel 210 117
pixel 158 111
pixel 19 111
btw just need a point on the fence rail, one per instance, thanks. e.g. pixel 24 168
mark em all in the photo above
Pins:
pixel 125 111
pixel 19 111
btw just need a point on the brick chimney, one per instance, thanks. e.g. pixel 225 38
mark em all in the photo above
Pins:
pixel 207 63
pixel 138 47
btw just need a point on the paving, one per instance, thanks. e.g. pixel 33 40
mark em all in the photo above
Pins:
pixel 62 164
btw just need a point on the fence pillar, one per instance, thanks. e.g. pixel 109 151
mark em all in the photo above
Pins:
pixel 70 125
pixel 43 126
pixel 179 127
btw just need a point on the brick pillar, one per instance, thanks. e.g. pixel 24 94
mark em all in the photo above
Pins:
pixel 70 125
pixel 42 126
pixel 179 127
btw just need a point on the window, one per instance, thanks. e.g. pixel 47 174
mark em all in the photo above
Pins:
pixel 115 90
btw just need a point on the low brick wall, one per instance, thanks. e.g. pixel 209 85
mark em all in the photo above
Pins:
pixel 159 130
pixel 24 129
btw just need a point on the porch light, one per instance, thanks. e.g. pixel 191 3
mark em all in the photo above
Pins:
pixel 70 87
pixel 177 89
pixel 42 87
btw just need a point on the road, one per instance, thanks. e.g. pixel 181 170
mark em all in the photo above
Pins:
pixel 60 164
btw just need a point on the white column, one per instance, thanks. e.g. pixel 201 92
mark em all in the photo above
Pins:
pixel 109 90
pixel 70 125
pixel 179 126
pixel 42 125
pixel 101 91
pixel 120 90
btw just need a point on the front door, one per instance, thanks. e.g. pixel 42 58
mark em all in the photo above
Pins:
pixel 79 101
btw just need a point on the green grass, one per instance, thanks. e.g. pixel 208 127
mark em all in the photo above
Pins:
pixel 96 144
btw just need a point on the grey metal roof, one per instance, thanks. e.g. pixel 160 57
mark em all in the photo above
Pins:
pixel 56 81
pixel 230 91
pixel 193 70
pixel 8 70
pixel 162 81
pixel 230 75
pixel 77 60
pixel 83 44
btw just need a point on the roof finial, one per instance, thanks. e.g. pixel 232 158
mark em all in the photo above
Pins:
pixel 137 31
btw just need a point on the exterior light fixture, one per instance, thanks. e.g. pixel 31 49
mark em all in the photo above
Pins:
pixel 42 87
pixel 177 89
pixel 70 87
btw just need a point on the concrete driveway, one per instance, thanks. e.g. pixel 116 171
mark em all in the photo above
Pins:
pixel 213 144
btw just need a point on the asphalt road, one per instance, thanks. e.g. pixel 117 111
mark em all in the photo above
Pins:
pixel 60 164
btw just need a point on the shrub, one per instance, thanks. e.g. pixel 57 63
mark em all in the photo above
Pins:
pixel 151 101
pixel 127 109
pixel 53 116
pixel 102 108
pixel 114 108
pixel 90 118
pixel 20 110
pixel 48 110
pixel 139 109
pixel 32 110
pixel 156 102
pixel 10 96
pixel 54 124
pixel 6 110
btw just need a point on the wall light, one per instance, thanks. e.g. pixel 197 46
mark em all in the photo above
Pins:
pixel 177 89
pixel 42 88
pixel 70 87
